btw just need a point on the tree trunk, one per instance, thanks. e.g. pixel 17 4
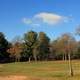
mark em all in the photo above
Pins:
pixel 35 58
pixel 29 59
pixel 65 56
pixel 70 64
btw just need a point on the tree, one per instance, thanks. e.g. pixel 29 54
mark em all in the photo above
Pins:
pixel 62 45
pixel 36 51
pixel 43 46
pixel 77 55
pixel 30 39
pixel 56 49
pixel 70 46
pixel 4 45
pixel 15 51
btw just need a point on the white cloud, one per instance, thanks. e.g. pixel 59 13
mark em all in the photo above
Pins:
pixel 30 22
pixel 47 18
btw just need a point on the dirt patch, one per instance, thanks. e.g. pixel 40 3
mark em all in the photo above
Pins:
pixel 14 78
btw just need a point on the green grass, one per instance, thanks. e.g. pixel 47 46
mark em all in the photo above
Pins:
pixel 50 70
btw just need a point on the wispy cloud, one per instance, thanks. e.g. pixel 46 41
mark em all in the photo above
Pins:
pixel 27 21
pixel 45 18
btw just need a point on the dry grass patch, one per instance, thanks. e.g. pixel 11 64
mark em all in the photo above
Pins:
pixel 11 77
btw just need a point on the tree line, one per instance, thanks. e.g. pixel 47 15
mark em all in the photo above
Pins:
pixel 35 46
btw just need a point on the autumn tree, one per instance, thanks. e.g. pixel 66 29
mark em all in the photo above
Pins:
pixel 62 45
pixel 16 48
pixel 15 51
pixel 69 47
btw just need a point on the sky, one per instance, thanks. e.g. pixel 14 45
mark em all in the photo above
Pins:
pixel 53 17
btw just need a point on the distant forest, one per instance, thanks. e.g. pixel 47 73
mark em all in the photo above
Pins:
pixel 35 46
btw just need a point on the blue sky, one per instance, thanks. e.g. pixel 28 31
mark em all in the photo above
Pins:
pixel 20 16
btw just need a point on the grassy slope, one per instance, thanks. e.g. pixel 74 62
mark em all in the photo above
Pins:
pixel 51 70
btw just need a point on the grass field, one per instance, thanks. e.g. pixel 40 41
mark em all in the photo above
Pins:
pixel 50 70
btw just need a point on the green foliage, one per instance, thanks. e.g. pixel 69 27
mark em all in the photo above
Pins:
pixel 4 45
pixel 37 46
pixel 30 39
pixel 42 47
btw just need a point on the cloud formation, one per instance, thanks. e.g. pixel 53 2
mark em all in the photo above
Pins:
pixel 45 18
pixel 49 18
